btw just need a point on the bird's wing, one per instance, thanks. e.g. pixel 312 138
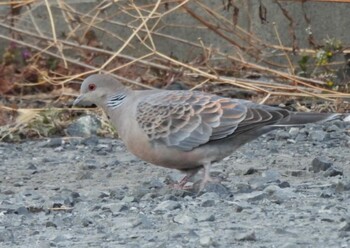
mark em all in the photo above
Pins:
pixel 188 119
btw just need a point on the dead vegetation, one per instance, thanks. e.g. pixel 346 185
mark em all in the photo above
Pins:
pixel 40 66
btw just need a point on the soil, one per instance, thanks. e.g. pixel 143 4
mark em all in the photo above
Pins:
pixel 289 188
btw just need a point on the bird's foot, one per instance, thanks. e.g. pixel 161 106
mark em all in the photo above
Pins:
pixel 181 185
pixel 207 179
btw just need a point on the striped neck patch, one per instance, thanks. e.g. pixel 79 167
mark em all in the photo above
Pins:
pixel 115 101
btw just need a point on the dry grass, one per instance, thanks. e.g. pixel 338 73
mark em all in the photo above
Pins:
pixel 55 58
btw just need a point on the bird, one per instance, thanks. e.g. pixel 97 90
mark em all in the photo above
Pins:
pixel 182 129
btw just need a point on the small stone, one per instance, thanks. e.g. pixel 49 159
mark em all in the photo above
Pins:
pixel 155 184
pixel 251 197
pixel 217 188
pixel 104 195
pixel 6 235
pixel 250 171
pixel 278 195
pixel 332 172
pixel 209 196
pixel 284 184
pixel 296 173
pixel 84 175
pixel 248 236
pixel 266 178
pixel 184 219
pixel 333 128
pixel 59 238
pixel 208 203
pixel 294 131
pixel 146 223
pixel 301 137
pixel 205 241
pixel 116 208
pixel 326 194
pixel 86 222
pixel 345 226
pixel 320 164
pixel 129 199
pixel 50 224
pixel 54 142
pixel 317 135
pixel 282 135
pixel 84 127
pixel 31 166
pixel 22 211
pixel 166 206
pixel 205 217
pixel 347 119
pixel 90 141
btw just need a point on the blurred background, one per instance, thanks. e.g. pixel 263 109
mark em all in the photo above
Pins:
pixel 294 54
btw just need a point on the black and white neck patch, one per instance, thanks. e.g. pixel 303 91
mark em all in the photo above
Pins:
pixel 116 101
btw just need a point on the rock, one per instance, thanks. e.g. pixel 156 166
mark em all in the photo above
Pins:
pixel 31 166
pixel 205 241
pixel 217 188
pixel 278 195
pixel 208 203
pixel 59 238
pixel 332 172
pixel 166 206
pixel 50 224
pixel 347 119
pixel 184 219
pixel 317 135
pixel 326 194
pixel 129 199
pixel 251 197
pixel 201 217
pixel 248 236
pixel 282 135
pixel 345 226
pixel 243 188
pixel 154 183
pixel 301 137
pixel 267 177
pixel 85 126
pixel 116 208
pixel 250 171
pixel 53 143
pixel 90 141
pixel 342 186
pixel 296 173
pixel 86 222
pixel 320 164
pixel 6 235
pixel 22 211
pixel 333 128
pixel 293 132
pixel 284 184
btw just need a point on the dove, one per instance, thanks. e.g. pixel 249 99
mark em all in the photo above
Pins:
pixel 182 129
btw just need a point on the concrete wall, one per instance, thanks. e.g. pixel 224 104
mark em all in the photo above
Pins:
pixel 327 20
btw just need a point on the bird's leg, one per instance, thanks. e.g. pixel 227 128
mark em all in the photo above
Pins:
pixel 206 177
pixel 189 174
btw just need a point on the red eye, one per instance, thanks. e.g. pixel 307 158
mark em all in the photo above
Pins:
pixel 92 87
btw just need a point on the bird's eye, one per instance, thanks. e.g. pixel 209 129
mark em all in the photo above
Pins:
pixel 92 87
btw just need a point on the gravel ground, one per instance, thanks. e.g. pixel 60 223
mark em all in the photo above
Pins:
pixel 290 188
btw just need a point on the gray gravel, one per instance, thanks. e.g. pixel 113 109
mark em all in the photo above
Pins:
pixel 290 188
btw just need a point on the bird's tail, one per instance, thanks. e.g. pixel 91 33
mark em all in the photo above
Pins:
pixel 301 118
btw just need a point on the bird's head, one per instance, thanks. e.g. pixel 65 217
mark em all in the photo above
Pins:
pixel 96 89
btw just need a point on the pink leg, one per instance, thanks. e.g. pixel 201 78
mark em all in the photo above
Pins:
pixel 207 178
pixel 181 184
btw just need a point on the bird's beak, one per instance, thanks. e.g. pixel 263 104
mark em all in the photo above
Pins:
pixel 78 100
pixel 82 101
